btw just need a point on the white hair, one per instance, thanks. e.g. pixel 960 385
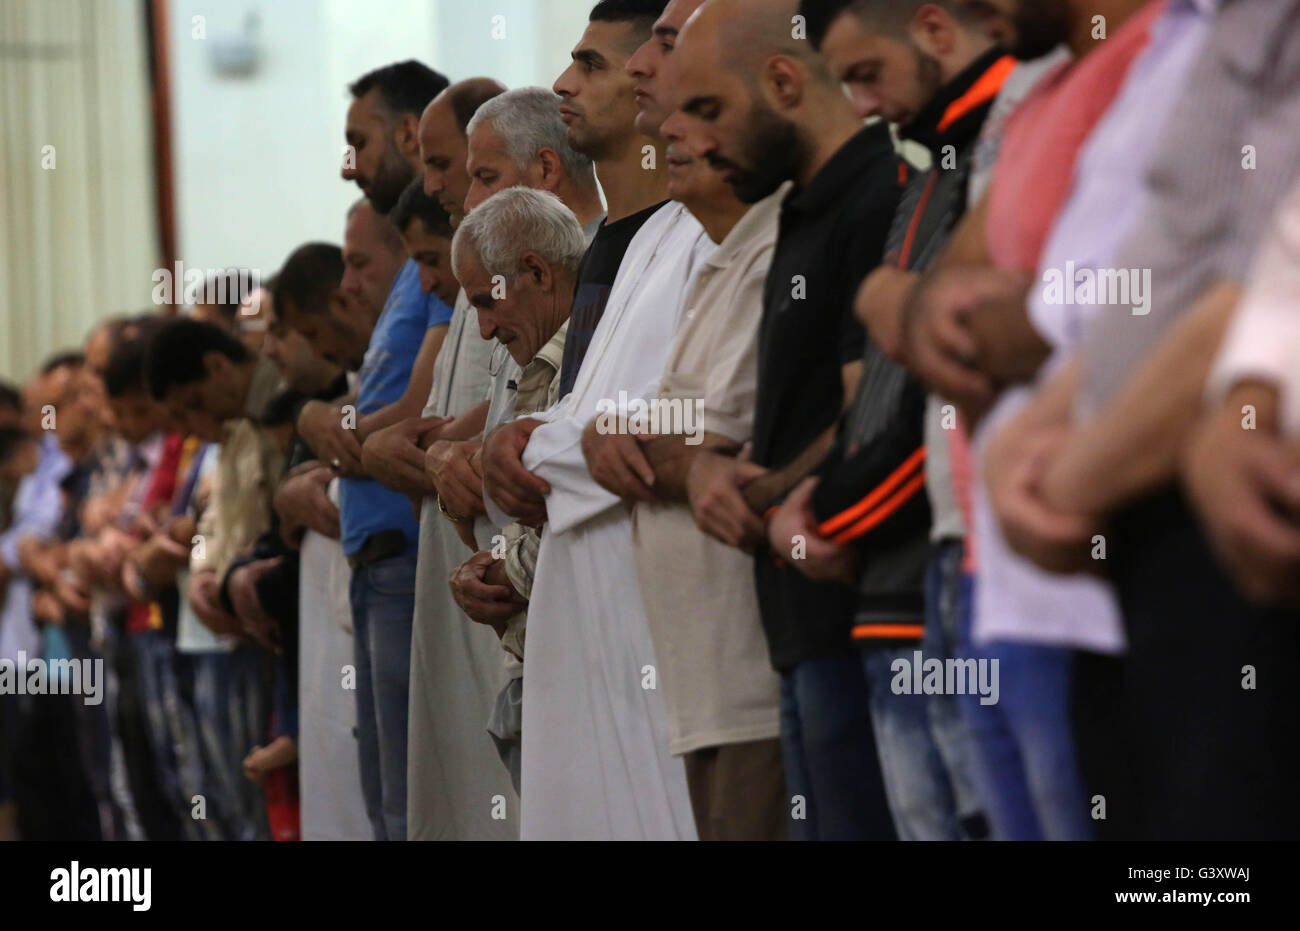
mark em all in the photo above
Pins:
pixel 515 221
pixel 528 119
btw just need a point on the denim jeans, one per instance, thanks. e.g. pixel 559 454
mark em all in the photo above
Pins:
pixel 383 602
pixel 831 764
pixel 173 731
pixel 920 796
pixel 1024 744
pixel 229 711
pixel 94 743
pixel 946 587
pixel 126 819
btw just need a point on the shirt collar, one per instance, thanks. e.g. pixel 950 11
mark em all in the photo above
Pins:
pixel 552 354
pixel 958 109
pixel 261 388
pixel 757 218
pixel 843 169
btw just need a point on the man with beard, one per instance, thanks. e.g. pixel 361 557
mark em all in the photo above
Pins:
pixel 721 695
pixel 928 67
pixel 773 111
pixel 379 530
pixel 980 289
pixel 1112 426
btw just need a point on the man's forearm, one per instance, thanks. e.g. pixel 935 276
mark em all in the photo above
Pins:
pixel 1132 445
pixel 467 426
pixel 402 409
pixel 764 491
pixel 416 395
pixel 671 459
pixel 1011 349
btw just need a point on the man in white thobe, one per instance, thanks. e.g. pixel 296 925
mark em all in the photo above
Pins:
pixel 596 763
pixel 333 807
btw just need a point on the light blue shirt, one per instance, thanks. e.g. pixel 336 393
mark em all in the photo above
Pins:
pixel 367 507
pixel 38 506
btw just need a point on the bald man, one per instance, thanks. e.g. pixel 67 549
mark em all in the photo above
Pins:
pixel 456 670
pixel 768 110
pixel 444 141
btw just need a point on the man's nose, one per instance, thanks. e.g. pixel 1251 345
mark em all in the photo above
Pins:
pixel 865 104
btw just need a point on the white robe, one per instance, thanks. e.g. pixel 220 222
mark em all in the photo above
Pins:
pixel 596 763
pixel 332 805
pixel 457 787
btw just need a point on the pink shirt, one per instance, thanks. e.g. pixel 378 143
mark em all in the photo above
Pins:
pixel 1035 173
pixel 1035 168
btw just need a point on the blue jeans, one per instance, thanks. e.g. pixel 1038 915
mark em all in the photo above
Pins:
pixel 1024 744
pixel 229 703
pixel 94 733
pixel 173 732
pixel 921 799
pixel 830 755
pixel 383 602
pixel 946 588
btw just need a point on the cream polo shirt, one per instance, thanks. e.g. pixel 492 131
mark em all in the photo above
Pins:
pixel 713 667
pixel 247 473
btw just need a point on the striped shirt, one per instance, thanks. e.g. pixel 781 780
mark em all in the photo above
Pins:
pixel 1231 154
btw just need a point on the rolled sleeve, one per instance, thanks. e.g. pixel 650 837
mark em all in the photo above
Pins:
pixel 1263 340
pixel 554 454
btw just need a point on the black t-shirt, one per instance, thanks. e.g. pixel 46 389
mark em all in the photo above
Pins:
pixel 596 277
pixel 832 235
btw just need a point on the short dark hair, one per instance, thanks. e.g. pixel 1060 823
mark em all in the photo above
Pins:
pixel 176 351
pixel 644 12
pixel 11 439
pixel 232 284
pixel 10 397
pixel 891 16
pixel 308 276
pixel 60 360
pixel 124 372
pixel 405 87
pixel 415 204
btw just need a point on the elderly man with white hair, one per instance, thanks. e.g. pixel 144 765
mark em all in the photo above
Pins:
pixel 456 787
pixel 517 256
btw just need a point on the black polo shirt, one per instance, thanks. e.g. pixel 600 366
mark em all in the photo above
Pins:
pixel 832 235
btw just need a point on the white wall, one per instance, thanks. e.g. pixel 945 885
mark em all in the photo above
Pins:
pixel 257 158
pixel 77 213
